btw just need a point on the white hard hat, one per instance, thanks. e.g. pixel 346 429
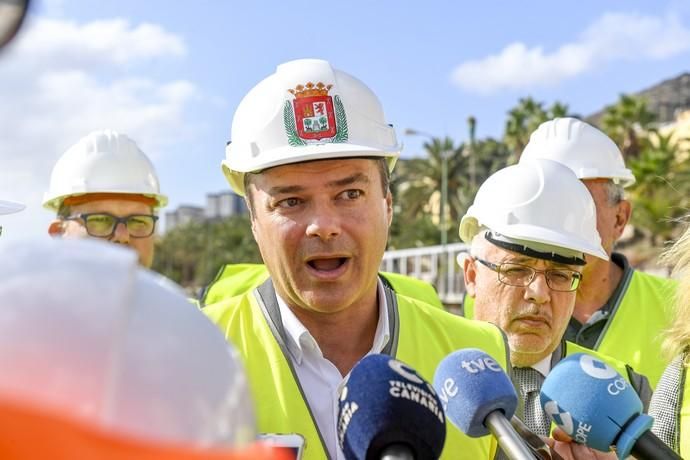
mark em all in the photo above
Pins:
pixel 590 153
pixel 103 162
pixel 539 203
pixel 87 333
pixel 10 207
pixel 305 111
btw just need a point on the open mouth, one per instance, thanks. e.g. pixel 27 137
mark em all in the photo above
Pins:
pixel 327 265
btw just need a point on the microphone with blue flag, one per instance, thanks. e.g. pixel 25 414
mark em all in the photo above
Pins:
pixel 592 403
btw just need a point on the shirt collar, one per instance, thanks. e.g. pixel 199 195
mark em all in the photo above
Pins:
pixel 543 366
pixel 300 341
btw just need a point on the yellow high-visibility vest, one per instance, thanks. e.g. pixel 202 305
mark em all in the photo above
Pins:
pixel 420 335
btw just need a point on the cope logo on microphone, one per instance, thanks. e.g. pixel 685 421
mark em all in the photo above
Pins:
pixel 560 417
pixel 596 368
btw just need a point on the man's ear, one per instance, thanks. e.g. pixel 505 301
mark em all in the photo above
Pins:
pixel 56 228
pixel 623 213
pixel 469 270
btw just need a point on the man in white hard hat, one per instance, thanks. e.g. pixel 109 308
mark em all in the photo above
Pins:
pixel 525 266
pixel 9 207
pixel 311 152
pixel 618 311
pixel 105 187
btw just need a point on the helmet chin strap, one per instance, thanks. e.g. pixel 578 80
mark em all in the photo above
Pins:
pixel 545 252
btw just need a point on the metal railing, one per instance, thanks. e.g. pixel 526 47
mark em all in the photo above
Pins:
pixel 434 264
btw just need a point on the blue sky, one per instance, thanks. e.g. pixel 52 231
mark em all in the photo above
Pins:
pixel 170 74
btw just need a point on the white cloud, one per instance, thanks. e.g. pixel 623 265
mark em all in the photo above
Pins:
pixel 57 84
pixel 65 44
pixel 614 36
pixel 623 36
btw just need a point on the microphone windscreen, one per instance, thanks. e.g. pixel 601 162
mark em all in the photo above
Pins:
pixel 589 400
pixel 471 385
pixel 385 402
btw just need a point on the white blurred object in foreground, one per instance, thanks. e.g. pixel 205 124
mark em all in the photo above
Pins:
pixel 86 332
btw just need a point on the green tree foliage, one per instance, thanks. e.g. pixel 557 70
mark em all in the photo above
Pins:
pixel 626 121
pixel 192 254
pixel 417 187
pixel 418 183
pixel 524 118
pixel 412 233
pixel 661 193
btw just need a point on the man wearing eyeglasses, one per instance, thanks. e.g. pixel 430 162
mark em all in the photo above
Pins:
pixel 529 228
pixel 105 187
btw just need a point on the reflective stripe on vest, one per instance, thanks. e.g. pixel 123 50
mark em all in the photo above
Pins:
pixel 421 336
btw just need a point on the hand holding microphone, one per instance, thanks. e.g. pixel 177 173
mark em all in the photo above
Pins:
pixel 479 399
pixel 387 411
pixel 596 406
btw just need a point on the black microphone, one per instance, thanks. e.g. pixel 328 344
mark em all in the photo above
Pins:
pixel 387 411
pixel 479 399
pixel 596 406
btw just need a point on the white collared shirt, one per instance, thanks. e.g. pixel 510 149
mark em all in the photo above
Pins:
pixel 319 378
pixel 543 366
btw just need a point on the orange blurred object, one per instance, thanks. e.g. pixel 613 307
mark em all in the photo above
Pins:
pixel 30 433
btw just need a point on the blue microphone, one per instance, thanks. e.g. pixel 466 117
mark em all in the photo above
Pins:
pixel 386 410
pixel 596 406
pixel 479 399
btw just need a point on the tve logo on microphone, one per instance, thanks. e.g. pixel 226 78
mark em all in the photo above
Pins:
pixel 479 362
pixel 480 365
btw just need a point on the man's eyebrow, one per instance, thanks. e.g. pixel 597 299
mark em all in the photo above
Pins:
pixel 355 178
pixel 284 189
pixel 524 260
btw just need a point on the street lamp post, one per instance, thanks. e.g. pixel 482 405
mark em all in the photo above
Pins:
pixel 472 125
pixel 444 198
pixel 444 183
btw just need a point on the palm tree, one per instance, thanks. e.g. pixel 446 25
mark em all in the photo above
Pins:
pixel 661 193
pixel 417 183
pixel 524 118
pixel 419 187
pixel 627 121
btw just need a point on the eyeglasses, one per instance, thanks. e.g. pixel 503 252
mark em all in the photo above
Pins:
pixel 558 279
pixel 103 225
